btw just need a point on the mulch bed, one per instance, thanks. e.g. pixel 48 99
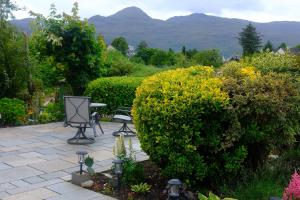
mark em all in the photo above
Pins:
pixel 153 178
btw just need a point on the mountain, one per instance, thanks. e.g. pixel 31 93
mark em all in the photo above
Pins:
pixel 197 30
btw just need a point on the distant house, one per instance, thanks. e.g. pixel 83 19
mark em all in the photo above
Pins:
pixel 280 51
pixel 111 48
pixel 131 51
pixel 295 50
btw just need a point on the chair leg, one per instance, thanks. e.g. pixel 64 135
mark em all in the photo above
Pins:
pixel 125 130
pixel 95 121
pixel 80 137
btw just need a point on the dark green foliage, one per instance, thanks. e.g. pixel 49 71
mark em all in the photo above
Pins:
pixel 267 111
pixel 161 58
pixel 13 70
pixel 121 45
pixel 12 111
pixel 142 45
pixel 268 46
pixel 114 91
pixel 282 46
pixel 156 57
pixel 145 54
pixel 6 10
pixel 117 64
pixel 250 40
pixel 72 45
pixel 133 172
pixel 191 52
pixel 208 58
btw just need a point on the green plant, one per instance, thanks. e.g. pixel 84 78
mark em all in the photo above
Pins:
pixel 89 162
pixel 114 91
pixel 141 188
pixel 197 125
pixel 12 111
pixel 269 62
pixel 71 43
pixel 52 112
pixel 211 196
pixel 208 58
pixel 133 172
pixel 108 189
pixel 178 115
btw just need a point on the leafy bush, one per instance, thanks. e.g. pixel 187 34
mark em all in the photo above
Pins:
pixel 196 125
pixel 133 172
pixel 12 111
pixel 114 91
pixel 179 116
pixel 270 62
pixel 267 110
pixel 208 58
pixel 117 64
pixel 52 113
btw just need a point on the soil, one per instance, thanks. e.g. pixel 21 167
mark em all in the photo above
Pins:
pixel 153 177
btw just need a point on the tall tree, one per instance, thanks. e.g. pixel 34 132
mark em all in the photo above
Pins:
pixel 250 40
pixel 121 45
pixel 208 58
pixel 268 46
pixel 142 45
pixel 72 45
pixel 283 46
pixel 13 72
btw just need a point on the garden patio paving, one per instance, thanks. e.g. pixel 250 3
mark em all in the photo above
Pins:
pixel 36 161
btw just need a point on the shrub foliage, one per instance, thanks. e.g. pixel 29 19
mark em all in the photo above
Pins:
pixel 114 91
pixel 12 111
pixel 197 125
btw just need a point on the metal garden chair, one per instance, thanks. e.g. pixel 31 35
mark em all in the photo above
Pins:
pixel 77 115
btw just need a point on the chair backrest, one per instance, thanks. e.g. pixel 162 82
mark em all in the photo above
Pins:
pixel 77 110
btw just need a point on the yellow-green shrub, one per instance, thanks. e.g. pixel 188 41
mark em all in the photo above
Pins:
pixel 195 124
pixel 271 62
pixel 114 91
pixel 183 125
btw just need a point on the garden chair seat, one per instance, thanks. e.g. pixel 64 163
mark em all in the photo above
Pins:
pixel 123 115
pixel 77 115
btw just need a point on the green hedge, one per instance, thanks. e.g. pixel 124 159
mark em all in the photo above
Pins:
pixel 114 91
pixel 12 111
pixel 197 125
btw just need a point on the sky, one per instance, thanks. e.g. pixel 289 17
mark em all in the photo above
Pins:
pixel 253 10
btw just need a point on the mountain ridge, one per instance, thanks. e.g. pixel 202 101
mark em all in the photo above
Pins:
pixel 196 30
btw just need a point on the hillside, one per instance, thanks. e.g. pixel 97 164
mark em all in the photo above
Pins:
pixel 197 30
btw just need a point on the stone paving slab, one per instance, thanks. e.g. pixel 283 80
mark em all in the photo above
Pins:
pixel 36 161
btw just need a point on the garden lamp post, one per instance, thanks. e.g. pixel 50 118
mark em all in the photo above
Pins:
pixel 174 186
pixel 81 155
pixel 118 163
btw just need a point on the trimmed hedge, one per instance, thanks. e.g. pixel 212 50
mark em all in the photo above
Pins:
pixel 12 111
pixel 196 125
pixel 114 91
pixel 179 115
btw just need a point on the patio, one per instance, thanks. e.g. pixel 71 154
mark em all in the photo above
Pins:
pixel 36 161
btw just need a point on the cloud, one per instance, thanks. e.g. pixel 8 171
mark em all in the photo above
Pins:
pixel 256 10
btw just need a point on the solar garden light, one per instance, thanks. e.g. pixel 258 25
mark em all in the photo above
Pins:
pixel 81 155
pixel 174 186
pixel 118 163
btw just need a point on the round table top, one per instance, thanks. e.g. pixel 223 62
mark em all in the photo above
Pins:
pixel 96 105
